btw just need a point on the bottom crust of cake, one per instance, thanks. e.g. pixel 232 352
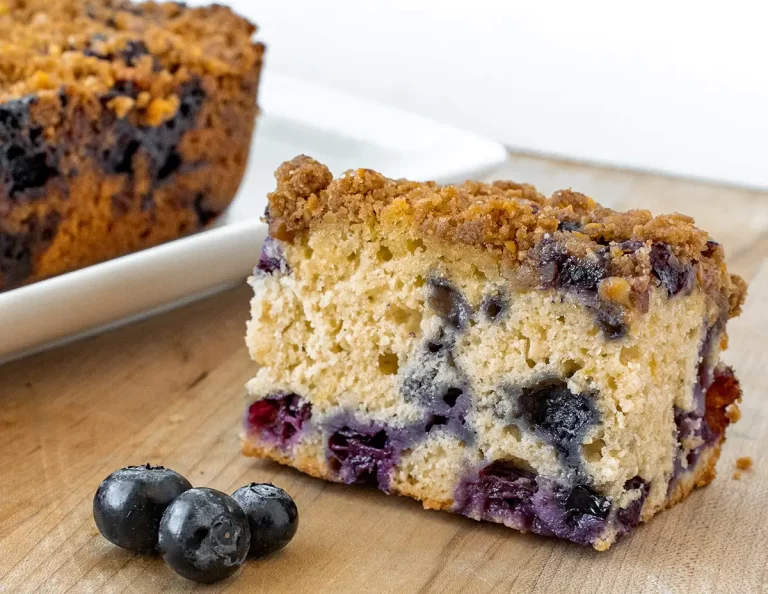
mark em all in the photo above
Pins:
pixel 310 458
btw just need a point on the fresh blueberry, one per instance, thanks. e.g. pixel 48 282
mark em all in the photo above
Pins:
pixel 130 502
pixel 580 274
pixel 204 535
pixel 272 515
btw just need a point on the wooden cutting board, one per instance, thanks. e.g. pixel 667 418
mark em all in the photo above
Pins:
pixel 169 391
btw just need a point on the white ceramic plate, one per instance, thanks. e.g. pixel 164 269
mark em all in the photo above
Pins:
pixel 342 131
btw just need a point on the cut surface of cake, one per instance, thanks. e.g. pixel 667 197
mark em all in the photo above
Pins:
pixel 544 363
pixel 122 125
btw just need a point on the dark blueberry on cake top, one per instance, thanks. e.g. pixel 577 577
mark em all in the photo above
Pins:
pixel 673 275
pixel 569 226
pixel 559 269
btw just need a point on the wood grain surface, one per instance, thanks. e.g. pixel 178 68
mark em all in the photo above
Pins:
pixel 169 390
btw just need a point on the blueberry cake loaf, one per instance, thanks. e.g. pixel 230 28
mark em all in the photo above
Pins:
pixel 544 363
pixel 122 126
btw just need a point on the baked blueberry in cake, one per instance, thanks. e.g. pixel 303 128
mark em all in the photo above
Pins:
pixel 544 363
pixel 122 125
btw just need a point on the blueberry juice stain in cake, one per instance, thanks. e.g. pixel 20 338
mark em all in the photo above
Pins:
pixel 362 454
pixel 272 259
pixel 499 490
pixel 449 304
pixel 434 379
pixel 27 162
pixel 582 275
pixel 716 389
pixel 158 145
pixel 435 383
pixel 366 452
pixel 557 415
pixel 510 491
pixel 675 277
pixel 502 491
pixel 18 250
pixel 279 419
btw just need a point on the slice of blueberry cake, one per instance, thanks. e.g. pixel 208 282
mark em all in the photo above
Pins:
pixel 544 363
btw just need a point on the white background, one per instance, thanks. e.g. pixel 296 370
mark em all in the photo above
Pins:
pixel 680 87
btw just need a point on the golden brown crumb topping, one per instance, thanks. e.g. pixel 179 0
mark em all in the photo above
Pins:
pixel 91 44
pixel 511 221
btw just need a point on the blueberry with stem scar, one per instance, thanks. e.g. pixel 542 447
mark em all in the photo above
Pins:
pixel 204 535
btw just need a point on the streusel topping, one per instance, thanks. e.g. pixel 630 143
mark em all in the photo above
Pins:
pixel 510 220
pixel 46 44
